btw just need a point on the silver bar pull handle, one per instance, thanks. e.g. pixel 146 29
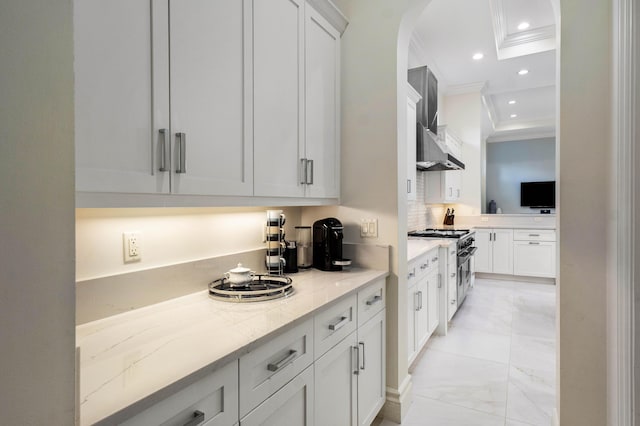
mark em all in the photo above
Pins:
pixel 420 299
pixel 303 171
pixel 338 325
pixel 375 299
pixel 363 365
pixel 310 173
pixel 534 243
pixel 453 274
pixel 416 305
pixel 198 418
pixel 439 280
pixel 435 259
pixel 163 150
pixel 408 186
pixel 182 152
pixel 534 235
pixel 357 351
pixel 284 361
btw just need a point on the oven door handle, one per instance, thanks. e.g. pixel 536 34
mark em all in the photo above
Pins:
pixel 470 252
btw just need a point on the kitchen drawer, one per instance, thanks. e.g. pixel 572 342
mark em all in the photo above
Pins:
pixel 371 300
pixel 334 324
pixel 214 398
pixel 534 235
pixel 269 367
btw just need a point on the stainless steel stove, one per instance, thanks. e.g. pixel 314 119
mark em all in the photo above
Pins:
pixel 261 287
pixel 465 249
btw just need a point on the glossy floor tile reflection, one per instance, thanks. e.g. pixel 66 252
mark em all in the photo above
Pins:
pixel 496 366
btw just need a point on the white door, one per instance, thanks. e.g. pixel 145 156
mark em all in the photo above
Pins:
pixel 336 385
pixel 433 306
pixel 210 98
pixel 121 95
pixel 322 111
pixel 483 256
pixel 291 405
pixel 372 366
pixel 412 306
pixel 422 313
pixel 278 63
pixel 503 251
pixel 534 258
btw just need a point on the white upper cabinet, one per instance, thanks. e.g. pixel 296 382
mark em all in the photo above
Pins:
pixel 412 99
pixel 278 61
pixel 228 98
pixel 208 98
pixel 322 107
pixel 121 95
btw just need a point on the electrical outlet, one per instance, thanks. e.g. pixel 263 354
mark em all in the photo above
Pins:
pixel 131 247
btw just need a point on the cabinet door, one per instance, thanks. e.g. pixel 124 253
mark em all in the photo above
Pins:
pixel 503 251
pixel 336 385
pixel 211 97
pixel 534 258
pixel 452 300
pixel 371 368
pixel 452 183
pixel 278 63
pixel 121 95
pixel 322 105
pixel 411 150
pixel 422 313
pixel 483 256
pixel 412 306
pixel 291 405
pixel 433 307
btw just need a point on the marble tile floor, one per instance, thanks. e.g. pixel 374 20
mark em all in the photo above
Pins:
pixel 496 366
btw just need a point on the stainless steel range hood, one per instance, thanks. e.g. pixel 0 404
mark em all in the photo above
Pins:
pixel 432 155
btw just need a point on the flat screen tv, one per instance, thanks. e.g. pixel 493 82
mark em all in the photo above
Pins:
pixel 538 194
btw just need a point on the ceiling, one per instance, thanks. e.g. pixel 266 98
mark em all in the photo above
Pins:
pixel 450 32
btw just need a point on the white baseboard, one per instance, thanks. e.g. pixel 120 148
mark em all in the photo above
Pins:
pixel 519 278
pixel 398 401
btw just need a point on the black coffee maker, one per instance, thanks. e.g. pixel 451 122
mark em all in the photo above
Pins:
pixel 327 245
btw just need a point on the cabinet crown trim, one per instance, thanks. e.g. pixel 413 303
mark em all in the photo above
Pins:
pixel 331 13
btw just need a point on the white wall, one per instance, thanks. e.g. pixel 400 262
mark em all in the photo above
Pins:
pixel 462 114
pixel 37 327
pixel 584 147
pixel 510 163
pixel 168 236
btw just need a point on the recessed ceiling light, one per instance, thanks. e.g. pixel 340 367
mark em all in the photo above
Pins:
pixel 523 26
pixel 511 102
pixel 523 72
pixel 478 56
pixel 513 115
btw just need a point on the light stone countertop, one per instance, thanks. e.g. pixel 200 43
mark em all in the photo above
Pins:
pixel 133 360
pixel 513 227
pixel 419 246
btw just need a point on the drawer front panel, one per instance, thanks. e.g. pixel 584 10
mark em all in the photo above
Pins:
pixel 534 235
pixel 371 300
pixel 214 399
pixel 334 324
pixel 269 367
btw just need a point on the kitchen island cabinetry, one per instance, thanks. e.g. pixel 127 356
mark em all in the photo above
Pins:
pixel 534 253
pixel 495 250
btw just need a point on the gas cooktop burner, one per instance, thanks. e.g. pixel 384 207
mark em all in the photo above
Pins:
pixel 440 233
pixel 261 287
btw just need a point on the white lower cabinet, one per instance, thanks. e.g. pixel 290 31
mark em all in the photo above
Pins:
pixel 423 301
pixel 213 400
pixel 350 377
pixel 534 253
pixel 291 405
pixel 495 251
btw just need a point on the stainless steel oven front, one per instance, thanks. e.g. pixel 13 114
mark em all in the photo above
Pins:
pixel 466 250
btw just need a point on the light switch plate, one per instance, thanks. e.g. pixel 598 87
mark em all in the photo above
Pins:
pixel 369 228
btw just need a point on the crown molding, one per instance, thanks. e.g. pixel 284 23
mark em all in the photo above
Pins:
pixel 522 43
pixel 489 106
pixel 331 13
pixel 521 134
pixel 460 89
